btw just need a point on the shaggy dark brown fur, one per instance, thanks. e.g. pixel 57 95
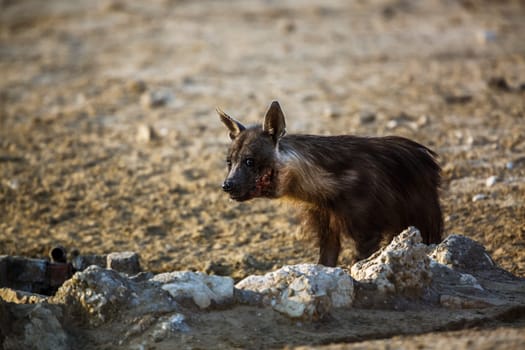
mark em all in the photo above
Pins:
pixel 366 188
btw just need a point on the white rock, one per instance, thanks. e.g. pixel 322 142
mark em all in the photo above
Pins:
pixel 201 288
pixel 306 291
pixel 154 99
pixel 146 133
pixel 479 197
pixel 97 291
pixel 469 280
pixel 491 180
pixel 172 325
pixel 401 267
pixel 460 252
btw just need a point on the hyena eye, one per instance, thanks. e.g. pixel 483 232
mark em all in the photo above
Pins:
pixel 249 162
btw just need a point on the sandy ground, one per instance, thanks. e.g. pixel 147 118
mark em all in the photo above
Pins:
pixel 109 140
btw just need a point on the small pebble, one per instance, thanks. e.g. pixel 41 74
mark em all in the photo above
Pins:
pixel 286 26
pixel 146 133
pixel 13 184
pixel 486 36
pixel 332 112
pixel 137 86
pixel 479 197
pixel 491 180
pixel 177 323
pixel 367 117
pixel 155 99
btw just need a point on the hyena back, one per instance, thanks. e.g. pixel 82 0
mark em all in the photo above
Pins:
pixel 366 188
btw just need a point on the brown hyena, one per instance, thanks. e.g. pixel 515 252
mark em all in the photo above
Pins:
pixel 368 188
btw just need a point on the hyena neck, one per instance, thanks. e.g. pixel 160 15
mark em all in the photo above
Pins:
pixel 299 176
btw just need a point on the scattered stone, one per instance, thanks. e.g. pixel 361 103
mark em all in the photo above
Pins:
pixel 403 120
pixel 462 253
pixel 457 99
pixel 155 99
pixel 174 324
pixel 111 5
pixel 287 26
pixel 468 279
pixel 13 184
pixel 486 36
pixel 479 197
pixel 499 83
pixel 137 86
pixel 332 112
pixel 303 291
pixel 401 267
pixel 367 117
pixel 199 287
pixel 515 163
pixel 146 133
pixel 126 262
pixel 491 180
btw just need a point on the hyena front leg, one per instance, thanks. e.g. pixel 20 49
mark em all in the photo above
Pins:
pixel 328 235
pixel 329 248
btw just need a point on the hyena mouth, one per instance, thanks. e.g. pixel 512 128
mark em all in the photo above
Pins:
pixel 261 188
pixel 263 184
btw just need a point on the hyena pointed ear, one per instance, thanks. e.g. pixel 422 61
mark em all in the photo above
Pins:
pixel 233 125
pixel 274 123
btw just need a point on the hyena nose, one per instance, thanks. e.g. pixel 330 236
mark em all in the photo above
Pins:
pixel 227 186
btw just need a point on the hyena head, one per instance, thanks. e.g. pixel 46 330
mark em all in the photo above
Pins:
pixel 252 157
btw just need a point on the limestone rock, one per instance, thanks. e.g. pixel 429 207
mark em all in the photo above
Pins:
pixel 127 262
pixel 33 327
pixel 463 253
pixel 98 294
pixel 199 287
pixel 401 267
pixel 155 99
pixel 95 291
pixel 305 291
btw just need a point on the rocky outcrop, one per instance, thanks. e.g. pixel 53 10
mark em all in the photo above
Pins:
pixel 456 274
pixel 303 291
pixel 402 267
